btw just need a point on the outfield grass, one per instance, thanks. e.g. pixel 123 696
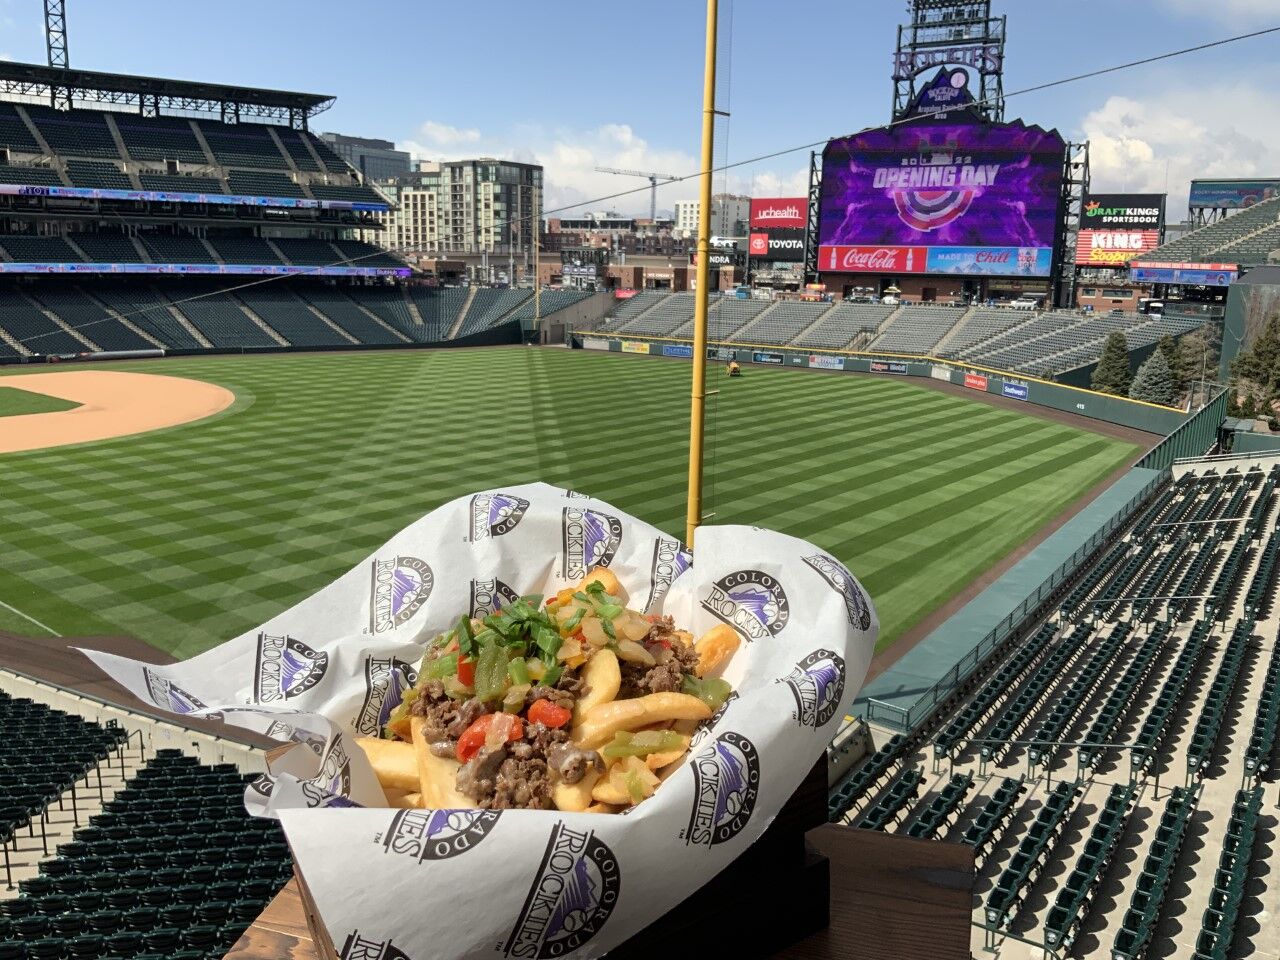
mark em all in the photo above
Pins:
pixel 187 536
pixel 14 402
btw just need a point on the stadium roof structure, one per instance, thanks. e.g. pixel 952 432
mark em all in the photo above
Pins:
pixel 153 96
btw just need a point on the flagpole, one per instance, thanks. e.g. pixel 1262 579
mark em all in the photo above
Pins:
pixel 698 397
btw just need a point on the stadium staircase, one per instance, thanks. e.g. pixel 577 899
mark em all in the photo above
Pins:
pixel 462 314
pixel 126 322
pixel 60 323
pixel 280 254
pixel 186 324
pixel 955 332
pixel 1173 687
pixel 260 323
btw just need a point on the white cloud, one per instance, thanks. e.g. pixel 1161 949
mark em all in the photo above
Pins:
pixel 570 158
pixel 6 56
pixel 444 135
pixel 1150 143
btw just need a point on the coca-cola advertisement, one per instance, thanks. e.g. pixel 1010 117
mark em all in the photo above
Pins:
pixel 937 185
pixel 779 213
pixel 840 259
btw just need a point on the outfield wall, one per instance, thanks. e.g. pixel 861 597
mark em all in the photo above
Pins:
pixel 1148 417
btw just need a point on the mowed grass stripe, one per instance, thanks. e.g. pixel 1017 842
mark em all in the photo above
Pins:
pixel 187 537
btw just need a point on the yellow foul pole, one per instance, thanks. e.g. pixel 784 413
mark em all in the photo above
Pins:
pixel 693 512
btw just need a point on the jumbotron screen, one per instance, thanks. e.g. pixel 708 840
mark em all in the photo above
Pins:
pixel 971 198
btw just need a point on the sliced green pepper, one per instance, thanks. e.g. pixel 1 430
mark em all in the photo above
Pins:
pixel 491 673
pixel 518 671
pixel 634 786
pixel 712 691
pixel 441 667
pixel 626 744
pixel 400 711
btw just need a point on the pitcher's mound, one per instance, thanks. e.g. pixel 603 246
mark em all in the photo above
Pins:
pixel 112 404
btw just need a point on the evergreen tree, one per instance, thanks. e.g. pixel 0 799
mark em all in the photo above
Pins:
pixel 1173 357
pixel 1153 382
pixel 1112 373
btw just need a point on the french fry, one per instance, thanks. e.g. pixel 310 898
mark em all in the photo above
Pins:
pixel 602 808
pixel 574 797
pixel 656 761
pixel 613 789
pixel 437 775
pixel 404 801
pixel 610 581
pixel 715 647
pixel 603 721
pixel 603 678
pixel 413 799
pixel 393 762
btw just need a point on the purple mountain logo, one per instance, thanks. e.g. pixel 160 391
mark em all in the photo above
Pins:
pixel 670 560
pixel 167 695
pixel 398 589
pixel 385 681
pixel 726 778
pixel 842 582
pixel 490 596
pixel 286 667
pixel 590 539
pixel 437 834
pixel 817 683
pixel 752 602
pixel 495 514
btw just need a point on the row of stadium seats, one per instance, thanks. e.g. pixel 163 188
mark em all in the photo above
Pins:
pixel 172 867
pixel 124 315
pixel 1038 344
pixel 1153 691
pixel 1217 928
pixel 87 134
pixel 1245 238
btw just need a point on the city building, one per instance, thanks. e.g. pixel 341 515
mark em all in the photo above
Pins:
pixel 730 215
pixel 375 159
pixel 483 206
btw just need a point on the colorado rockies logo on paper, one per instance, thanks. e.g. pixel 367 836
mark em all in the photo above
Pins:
pixel 842 582
pixel 573 893
pixel 335 769
pixel 726 778
pixel 751 602
pixel 495 514
pixel 487 596
pixel 590 539
pixel 167 695
pixel 359 947
pixel 286 668
pixel 669 561
pixel 385 681
pixel 279 730
pixel 319 798
pixel 399 588
pixel 817 683
pixel 437 834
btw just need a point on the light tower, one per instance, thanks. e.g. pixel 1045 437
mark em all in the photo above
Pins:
pixel 55 39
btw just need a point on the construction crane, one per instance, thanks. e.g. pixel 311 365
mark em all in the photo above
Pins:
pixel 653 179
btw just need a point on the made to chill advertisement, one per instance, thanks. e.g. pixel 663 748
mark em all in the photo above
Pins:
pixel 944 185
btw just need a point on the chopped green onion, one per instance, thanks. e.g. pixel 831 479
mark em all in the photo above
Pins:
pixel 609 611
pixel 608 629
pixel 570 626
pixel 518 671
pixel 466 640
pixel 579 595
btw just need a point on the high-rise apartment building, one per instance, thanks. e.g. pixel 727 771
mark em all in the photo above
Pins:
pixel 465 206
pixel 730 215
pixel 376 159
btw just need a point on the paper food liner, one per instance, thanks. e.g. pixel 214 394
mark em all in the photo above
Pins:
pixel 421 884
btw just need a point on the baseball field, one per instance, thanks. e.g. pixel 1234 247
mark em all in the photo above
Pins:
pixel 188 535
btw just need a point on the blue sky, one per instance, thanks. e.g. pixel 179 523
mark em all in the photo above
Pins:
pixel 579 83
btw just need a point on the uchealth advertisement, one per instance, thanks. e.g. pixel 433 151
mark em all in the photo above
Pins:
pixel 779 213
pixel 1018 391
pixel 820 362
pixel 975 381
pixel 635 346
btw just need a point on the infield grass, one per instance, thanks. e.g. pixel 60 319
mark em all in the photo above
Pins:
pixel 15 402
pixel 187 536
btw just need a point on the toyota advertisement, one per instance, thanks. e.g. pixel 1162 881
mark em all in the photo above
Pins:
pixel 1117 227
pixel 779 213
pixel 784 245
pixel 973 198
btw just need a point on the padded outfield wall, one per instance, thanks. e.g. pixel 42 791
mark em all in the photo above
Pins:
pixel 1148 417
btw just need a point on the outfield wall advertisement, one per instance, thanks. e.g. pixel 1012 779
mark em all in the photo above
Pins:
pixel 677 350
pixel 823 362
pixel 1190 274
pixel 206 269
pixel 635 346
pixel 972 198
pixel 975 381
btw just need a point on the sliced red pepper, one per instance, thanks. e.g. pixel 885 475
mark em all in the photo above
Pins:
pixel 466 671
pixel 548 714
pixel 474 736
